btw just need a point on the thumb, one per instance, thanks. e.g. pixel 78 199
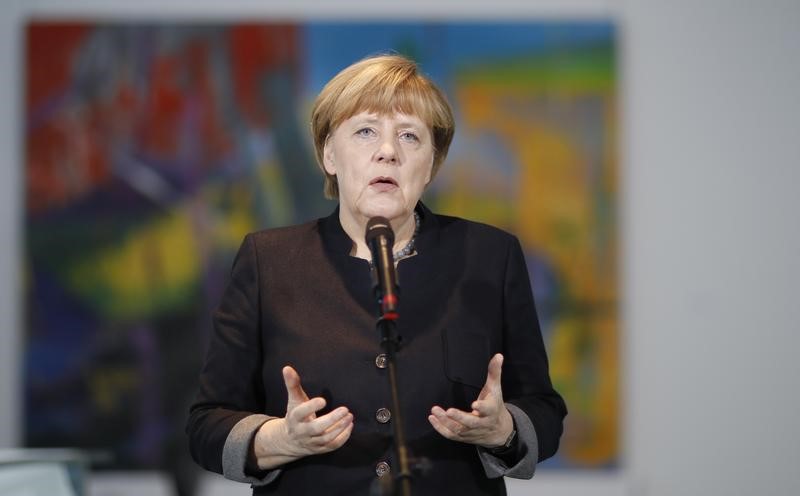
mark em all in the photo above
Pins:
pixel 293 387
pixel 494 376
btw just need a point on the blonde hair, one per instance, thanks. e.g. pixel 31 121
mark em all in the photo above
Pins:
pixel 380 84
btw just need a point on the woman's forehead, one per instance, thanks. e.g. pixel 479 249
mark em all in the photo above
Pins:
pixel 397 118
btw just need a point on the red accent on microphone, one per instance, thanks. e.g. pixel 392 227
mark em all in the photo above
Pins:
pixel 390 316
pixel 390 299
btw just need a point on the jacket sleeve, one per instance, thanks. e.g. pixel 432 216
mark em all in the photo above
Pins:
pixel 520 464
pixel 526 377
pixel 230 382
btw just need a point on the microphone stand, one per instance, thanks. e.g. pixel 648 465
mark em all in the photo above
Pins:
pixel 390 344
pixel 380 238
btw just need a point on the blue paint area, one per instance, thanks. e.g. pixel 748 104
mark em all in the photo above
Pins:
pixel 438 48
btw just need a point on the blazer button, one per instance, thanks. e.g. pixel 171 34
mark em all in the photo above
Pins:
pixel 380 361
pixel 381 469
pixel 383 415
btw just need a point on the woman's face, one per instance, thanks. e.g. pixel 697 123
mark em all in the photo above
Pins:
pixel 382 164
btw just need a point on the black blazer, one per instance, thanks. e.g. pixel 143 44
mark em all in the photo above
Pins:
pixel 297 297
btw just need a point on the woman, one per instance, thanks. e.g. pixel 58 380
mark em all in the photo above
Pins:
pixel 477 399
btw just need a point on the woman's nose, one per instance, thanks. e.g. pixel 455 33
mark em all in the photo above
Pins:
pixel 387 152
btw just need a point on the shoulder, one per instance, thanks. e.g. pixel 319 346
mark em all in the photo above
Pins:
pixel 472 232
pixel 283 237
pixel 481 245
pixel 287 244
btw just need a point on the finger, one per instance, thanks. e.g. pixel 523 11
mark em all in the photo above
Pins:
pixel 441 428
pixel 437 410
pixel 456 428
pixel 293 387
pixel 333 432
pixel 493 378
pixel 306 409
pixel 321 424
pixel 341 438
pixel 486 407
pixel 465 435
pixel 467 420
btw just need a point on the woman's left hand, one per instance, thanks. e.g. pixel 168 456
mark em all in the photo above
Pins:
pixel 488 424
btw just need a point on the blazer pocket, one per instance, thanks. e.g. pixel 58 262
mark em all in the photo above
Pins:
pixel 466 356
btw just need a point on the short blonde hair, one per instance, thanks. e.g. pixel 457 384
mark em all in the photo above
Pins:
pixel 381 84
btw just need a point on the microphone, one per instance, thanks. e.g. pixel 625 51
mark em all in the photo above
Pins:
pixel 380 240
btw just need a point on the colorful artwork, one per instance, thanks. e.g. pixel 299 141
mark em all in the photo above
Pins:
pixel 151 150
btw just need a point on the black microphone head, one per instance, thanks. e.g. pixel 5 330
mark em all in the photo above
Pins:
pixel 379 226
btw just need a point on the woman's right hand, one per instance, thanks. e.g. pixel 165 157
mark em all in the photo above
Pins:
pixel 300 433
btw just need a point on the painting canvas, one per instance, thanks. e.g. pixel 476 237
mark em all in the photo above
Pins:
pixel 152 149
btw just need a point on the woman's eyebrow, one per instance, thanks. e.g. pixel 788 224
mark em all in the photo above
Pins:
pixel 412 125
pixel 373 119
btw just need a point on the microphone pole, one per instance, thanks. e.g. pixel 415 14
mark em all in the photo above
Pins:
pixel 380 239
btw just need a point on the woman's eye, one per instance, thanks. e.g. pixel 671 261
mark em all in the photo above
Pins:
pixel 409 136
pixel 366 132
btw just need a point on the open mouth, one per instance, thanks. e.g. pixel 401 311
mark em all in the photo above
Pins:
pixel 383 181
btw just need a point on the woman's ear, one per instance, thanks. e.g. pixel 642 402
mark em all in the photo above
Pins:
pixel 430 174
pixel 327 157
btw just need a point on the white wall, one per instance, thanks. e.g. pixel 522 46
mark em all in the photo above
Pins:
pixel 712 258
pixel 711 231
pixel 10 224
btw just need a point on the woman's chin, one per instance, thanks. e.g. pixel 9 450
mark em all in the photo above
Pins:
pixel 390 210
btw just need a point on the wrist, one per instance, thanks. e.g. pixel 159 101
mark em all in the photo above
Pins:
pixel 271 448
pixel 510 445
pixel 507 437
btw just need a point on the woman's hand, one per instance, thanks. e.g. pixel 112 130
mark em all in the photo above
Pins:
pixel 300 433
pixel 488 424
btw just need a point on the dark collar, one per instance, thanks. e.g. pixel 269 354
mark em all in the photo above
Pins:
pixel 419 275
pixel 338 243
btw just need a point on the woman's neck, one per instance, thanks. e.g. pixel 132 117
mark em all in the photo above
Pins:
pixel 355 228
